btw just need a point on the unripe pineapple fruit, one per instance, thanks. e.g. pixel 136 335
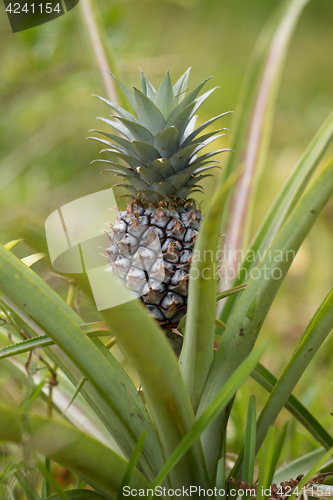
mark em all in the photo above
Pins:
pixel 152 242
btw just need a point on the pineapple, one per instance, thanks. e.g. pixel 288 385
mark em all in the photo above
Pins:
pixel 160 146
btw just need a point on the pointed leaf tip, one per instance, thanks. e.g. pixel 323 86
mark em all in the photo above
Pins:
pixel 164 98
pixel 146 87
pixel 125 91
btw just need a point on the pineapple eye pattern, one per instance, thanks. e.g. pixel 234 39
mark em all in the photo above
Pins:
pixel 150 250
pixel 76 243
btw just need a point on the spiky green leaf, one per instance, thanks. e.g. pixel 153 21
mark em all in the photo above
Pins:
pixel 167 141
pixel 180 87
pixel 146 86
pixel 202 127
pixel 189 98
pixel 120 111
pixel 137 131
pixel 181 119
pixel 148 114
pixel 163 167
pixel 181 157
pixel 163 98
pixel 126 92
pixel 144 152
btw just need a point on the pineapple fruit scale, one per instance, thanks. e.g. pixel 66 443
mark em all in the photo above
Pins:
pixel 152 242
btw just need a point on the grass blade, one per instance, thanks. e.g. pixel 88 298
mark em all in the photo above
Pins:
pixel 46 487
pixel 131 465
pixel 51 481
pixel 230 292
pixel 220 478
pixel 269 458
pixel 198 348
pixel 313 337
pixel 321 462
pixel 265 465
pixel 26 486
pixel 299 466
pixel 278 449
pixel 295 407
pixel 37 343
pixel 32 259
pixel 77 390
pixel 11 244
pixel 250 442
pixel 94 406
pixel 33 396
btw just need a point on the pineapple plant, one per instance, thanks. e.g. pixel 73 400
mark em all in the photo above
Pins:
pixel 152 242
pixel 172 442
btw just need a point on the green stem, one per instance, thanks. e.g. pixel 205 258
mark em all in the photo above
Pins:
pixel 93 29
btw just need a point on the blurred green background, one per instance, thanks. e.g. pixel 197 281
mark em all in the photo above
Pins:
pixel 47 77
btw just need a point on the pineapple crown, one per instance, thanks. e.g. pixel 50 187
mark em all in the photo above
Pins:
pixel 160 144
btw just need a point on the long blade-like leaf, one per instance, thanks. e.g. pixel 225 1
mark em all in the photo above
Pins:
pixel 180 87
pixel 198 348
pixel 164 98
pixel 32 295
pixel 267 380
pixel 250 313
pixel 250 442
pixel 73 449
pixel 212 411
pixel 279 444
pixel 299 466
pixel 265 464
pixel 168 401
pixel 26 486
pixel 313 337
pixel 94 405
pixel 285 201
pixel 11 244
pixel 131 465
pixel 255 123
pixel 295 407
pixel 38 343
pixel 312 472
pixel 315 334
